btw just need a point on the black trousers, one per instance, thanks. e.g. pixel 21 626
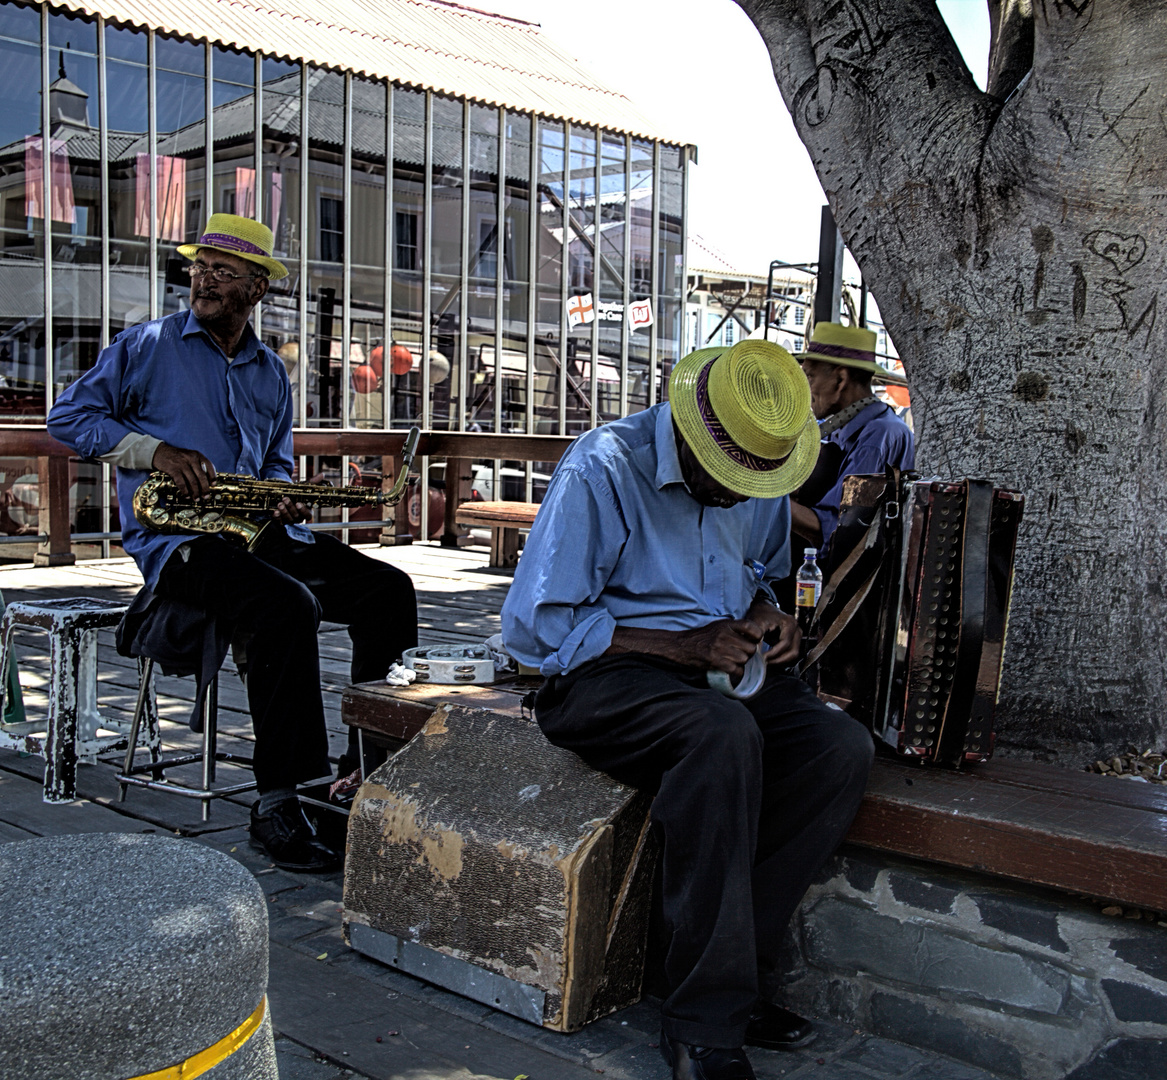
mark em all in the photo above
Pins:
pixel 751 799
pixel 278 596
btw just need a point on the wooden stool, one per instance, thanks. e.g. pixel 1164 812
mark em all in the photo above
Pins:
pixel 69 733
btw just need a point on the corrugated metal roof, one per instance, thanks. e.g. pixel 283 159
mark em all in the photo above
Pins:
pixel 704 258
pixel 433 44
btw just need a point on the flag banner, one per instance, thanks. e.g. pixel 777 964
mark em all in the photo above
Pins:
pixel 639 314
pixel 580 310
pixel 60 179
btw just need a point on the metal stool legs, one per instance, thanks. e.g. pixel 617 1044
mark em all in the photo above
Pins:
pixel 209 758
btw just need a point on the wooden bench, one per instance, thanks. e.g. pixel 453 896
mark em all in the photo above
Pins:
pixel 504 519
pixel 1040 824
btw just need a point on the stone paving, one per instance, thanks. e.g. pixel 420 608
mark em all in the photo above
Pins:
pixel 337 1013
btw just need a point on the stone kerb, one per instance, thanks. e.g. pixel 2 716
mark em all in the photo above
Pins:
pixel 1023 982
pixel 124 955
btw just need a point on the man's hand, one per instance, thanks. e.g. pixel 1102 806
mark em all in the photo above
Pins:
pixel 724 645
pixel 290 513
pixel 191 472
pixel 785 640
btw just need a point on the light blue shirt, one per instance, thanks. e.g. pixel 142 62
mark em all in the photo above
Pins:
pixel 619 541
pixel 169 379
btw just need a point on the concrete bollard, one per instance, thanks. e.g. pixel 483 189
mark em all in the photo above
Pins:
pixel 127 956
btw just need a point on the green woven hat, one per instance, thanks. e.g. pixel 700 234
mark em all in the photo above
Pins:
pixel 848 346
pixel 245 237
pixel 745 413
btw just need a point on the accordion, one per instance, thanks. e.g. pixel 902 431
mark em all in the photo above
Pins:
pixel 911 624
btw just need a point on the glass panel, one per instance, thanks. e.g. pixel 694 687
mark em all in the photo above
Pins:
pixel 669 331
pixel 281 212
pixel 69 31
pixel 611 277
pixel 234 98
pixel 21 23
pixel 129 179
pixel 367 345
pixel 640 315
pixel 22 312
pixel 581 194
pixel 549 277
pixel 181 94
pixel 483 270
pixel 408 229
pixel 325 248
pixel 74 162
pixel 446 263
pixel 516 273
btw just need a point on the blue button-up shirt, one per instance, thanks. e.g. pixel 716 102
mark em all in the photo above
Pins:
pixel 619 541
pixel 870 441
pixel 169 379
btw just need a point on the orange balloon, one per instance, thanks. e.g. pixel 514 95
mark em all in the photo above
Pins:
pixel 898 394
pixel 400 360
pixel 377 360
pixel 364 379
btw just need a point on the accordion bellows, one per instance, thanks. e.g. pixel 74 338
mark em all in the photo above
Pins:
pixel 920 656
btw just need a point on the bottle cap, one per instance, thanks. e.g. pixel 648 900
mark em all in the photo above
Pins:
pixel 810 551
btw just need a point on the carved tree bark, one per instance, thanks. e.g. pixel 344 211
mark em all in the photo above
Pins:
pixel 1016 249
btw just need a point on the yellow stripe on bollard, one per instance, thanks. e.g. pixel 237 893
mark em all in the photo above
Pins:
pixel 205 1060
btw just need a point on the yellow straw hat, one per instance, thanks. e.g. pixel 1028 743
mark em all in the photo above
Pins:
pixel 745 413
pixel 245 237
pixel 848 346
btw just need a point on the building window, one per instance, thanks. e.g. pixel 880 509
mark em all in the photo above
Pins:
pixel 799 314
pixel 405 237
pixel 331 229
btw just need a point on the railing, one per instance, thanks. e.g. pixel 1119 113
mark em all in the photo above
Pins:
pixel 54 540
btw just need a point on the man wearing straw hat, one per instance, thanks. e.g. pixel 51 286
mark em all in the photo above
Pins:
pixel 860 433
pixel 644 596
pixel 197 393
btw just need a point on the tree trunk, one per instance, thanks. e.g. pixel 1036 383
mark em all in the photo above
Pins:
pixel 1016 250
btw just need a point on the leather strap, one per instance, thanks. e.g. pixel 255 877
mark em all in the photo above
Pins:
pixel 891 497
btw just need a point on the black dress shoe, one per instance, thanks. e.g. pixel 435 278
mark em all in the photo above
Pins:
pixel 775 1028
pixel 289 839
pixel 705 1062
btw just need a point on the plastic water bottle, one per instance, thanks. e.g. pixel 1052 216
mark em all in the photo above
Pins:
pixel 808 586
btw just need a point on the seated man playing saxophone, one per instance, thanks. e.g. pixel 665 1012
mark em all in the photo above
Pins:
pixel 196 393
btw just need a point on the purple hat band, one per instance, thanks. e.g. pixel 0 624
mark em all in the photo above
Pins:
pixel 232 243
pixel 720 436
pixel 841 352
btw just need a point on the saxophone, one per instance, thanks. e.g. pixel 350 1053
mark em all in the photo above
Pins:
pixel 236 504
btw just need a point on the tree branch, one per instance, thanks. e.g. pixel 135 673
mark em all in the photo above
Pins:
pixel 1010 45
pixel 887 108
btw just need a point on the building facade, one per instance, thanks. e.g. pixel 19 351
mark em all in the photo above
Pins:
pixel 468 251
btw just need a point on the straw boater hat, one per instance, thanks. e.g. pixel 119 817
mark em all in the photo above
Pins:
pixel 245 237
pixel 848 346
pixel 745 413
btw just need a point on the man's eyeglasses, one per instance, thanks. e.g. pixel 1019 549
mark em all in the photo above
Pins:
pixel 219 273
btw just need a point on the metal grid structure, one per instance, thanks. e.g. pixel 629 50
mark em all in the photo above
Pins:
pixel 285 139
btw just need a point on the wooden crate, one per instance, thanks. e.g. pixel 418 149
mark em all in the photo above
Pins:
pixel 487 861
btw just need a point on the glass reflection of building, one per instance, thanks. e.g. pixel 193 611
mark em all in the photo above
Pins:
pixel 407 301
pixel 129 173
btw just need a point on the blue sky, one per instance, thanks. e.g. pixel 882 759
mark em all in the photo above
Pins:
pixel 700 68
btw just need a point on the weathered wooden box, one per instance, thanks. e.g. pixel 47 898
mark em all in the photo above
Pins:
pixel 485 860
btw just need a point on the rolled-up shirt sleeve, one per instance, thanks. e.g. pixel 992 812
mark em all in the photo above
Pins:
pixel 86 415
pixel 553 619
